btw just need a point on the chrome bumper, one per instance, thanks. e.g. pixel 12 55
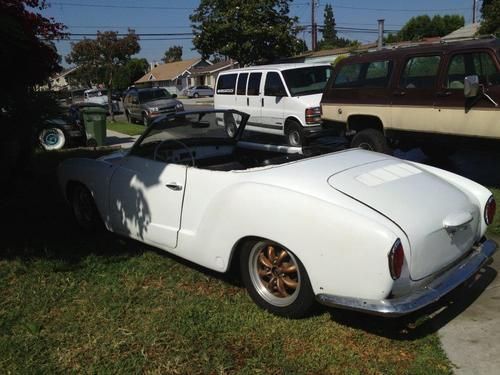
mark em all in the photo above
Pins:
pixel 422 297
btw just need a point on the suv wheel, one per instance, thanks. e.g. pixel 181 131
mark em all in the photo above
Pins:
pixel 129 119
pixel 145 120
pixel 295 134
pixel 372 140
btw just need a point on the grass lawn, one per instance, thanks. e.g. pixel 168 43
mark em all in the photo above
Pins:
pixel 126 128
pixel 495 227
pixel 73 302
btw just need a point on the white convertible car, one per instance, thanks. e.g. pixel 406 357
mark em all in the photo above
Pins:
pixel 351 229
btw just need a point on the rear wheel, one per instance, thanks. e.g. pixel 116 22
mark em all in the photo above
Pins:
pixel 295 134
pixel 84 208
pixel 276 279
pixel 372 140
pixel 52 139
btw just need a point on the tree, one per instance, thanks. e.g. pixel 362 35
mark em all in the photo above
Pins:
pixel 28 59
pixel 174 53
pixel 246 31
pixel 490 10
pixel 103 56
pixel 330 39
pixel 424 26
pixel 127 74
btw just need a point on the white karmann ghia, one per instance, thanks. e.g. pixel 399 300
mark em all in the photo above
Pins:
pixel 352 229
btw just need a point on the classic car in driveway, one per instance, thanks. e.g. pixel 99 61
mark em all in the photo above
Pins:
pixel 353 229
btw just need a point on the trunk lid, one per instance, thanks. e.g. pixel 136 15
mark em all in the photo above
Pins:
pixel 439 220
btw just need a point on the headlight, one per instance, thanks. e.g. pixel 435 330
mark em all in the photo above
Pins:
pixel 179 107
pixel 153 109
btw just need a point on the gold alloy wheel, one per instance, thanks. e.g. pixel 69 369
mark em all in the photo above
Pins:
pixel 275 273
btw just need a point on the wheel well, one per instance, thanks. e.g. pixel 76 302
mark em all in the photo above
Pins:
pixel 361 122
pixel 70 186
pixel 290 120
pixel 234 259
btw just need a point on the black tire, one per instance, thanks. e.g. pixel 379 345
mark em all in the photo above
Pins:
pixel 373 140
pixel 52 138
pixel 145 120
pixel 196 95
pixel 437 152
pixel 129 119
pixel 230 125
pixel 84 208
pixel 282 298
pixel 295 134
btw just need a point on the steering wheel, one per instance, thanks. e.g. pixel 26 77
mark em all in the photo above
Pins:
pixel 158 146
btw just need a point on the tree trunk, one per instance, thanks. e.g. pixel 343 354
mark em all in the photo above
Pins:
pixel 110 92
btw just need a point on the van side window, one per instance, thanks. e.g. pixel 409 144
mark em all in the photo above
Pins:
pixel 348 76
pixel 226 84
pixel 420 72
pixel 242 84
pixel 274 86
pixel 254 84
pixel 480 64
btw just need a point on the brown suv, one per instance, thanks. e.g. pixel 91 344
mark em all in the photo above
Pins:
pixel 434 97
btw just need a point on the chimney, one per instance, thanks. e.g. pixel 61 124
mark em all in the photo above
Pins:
pixel 380 43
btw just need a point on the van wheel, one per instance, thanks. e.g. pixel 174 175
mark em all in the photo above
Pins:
pixel 276 279
pixel 295 134
pixel 372 140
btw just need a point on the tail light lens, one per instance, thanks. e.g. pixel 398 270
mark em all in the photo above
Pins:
pixel 313 115
pixel 489 210
pixel 396 259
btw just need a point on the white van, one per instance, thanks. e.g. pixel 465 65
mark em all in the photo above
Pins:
pixel 280 99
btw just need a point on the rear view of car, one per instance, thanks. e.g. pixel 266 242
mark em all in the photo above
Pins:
pixel 197 91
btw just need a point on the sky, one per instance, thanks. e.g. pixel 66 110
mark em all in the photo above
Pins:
pixel 172 17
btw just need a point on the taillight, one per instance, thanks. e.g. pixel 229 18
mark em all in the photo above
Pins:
pixel 396 259
pixel 489 210
pixel 313 115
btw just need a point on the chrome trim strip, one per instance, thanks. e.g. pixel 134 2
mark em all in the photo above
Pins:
pixel 422 297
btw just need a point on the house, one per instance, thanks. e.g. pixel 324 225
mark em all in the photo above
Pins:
pixel 207 75
pixel 59 82
pixel 466 32
pixel 174 76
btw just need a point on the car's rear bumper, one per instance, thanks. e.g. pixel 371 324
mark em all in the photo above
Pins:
pixel 424 296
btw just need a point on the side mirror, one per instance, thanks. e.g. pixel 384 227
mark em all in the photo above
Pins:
pixel 174 96
pixel 471 86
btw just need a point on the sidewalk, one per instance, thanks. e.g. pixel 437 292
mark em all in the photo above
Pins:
pixel 119 139
pixel 472 339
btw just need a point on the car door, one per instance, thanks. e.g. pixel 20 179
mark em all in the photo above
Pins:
pixel 254 102
pixel 145 199
pixel 414 94
pixel 477 116
pixel 273 100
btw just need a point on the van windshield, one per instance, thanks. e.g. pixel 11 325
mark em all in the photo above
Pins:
pixel 307 81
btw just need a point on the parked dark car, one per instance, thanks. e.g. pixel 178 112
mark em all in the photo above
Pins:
pixel 435 97
pixel 144 105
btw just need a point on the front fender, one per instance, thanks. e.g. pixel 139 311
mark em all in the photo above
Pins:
pixel 344 253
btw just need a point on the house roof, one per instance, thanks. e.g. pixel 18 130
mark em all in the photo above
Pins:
pixel 214 67
pixel 465 32
pixel 168 71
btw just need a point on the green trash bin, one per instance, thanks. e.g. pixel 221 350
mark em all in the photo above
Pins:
pixel 94 120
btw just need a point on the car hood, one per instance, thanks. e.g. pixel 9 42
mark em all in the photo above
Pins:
pixel 162 103
pixel 439 220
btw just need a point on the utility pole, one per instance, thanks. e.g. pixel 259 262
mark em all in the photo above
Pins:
pixel 474 11
pixel 314 27
pixel 380 41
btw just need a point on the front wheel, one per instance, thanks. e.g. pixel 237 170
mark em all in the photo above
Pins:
pixel 196 95
pixel 372 140
pixel 84 208
pixel 145 120
pixel 52 139
pixel 276 279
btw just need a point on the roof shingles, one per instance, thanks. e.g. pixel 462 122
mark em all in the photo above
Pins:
pixel 167 72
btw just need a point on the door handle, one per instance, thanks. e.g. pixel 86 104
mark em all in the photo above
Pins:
pixel 443 94
pixel 174 186
pixel 248 102
pixel 262 102
pixel 399 93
